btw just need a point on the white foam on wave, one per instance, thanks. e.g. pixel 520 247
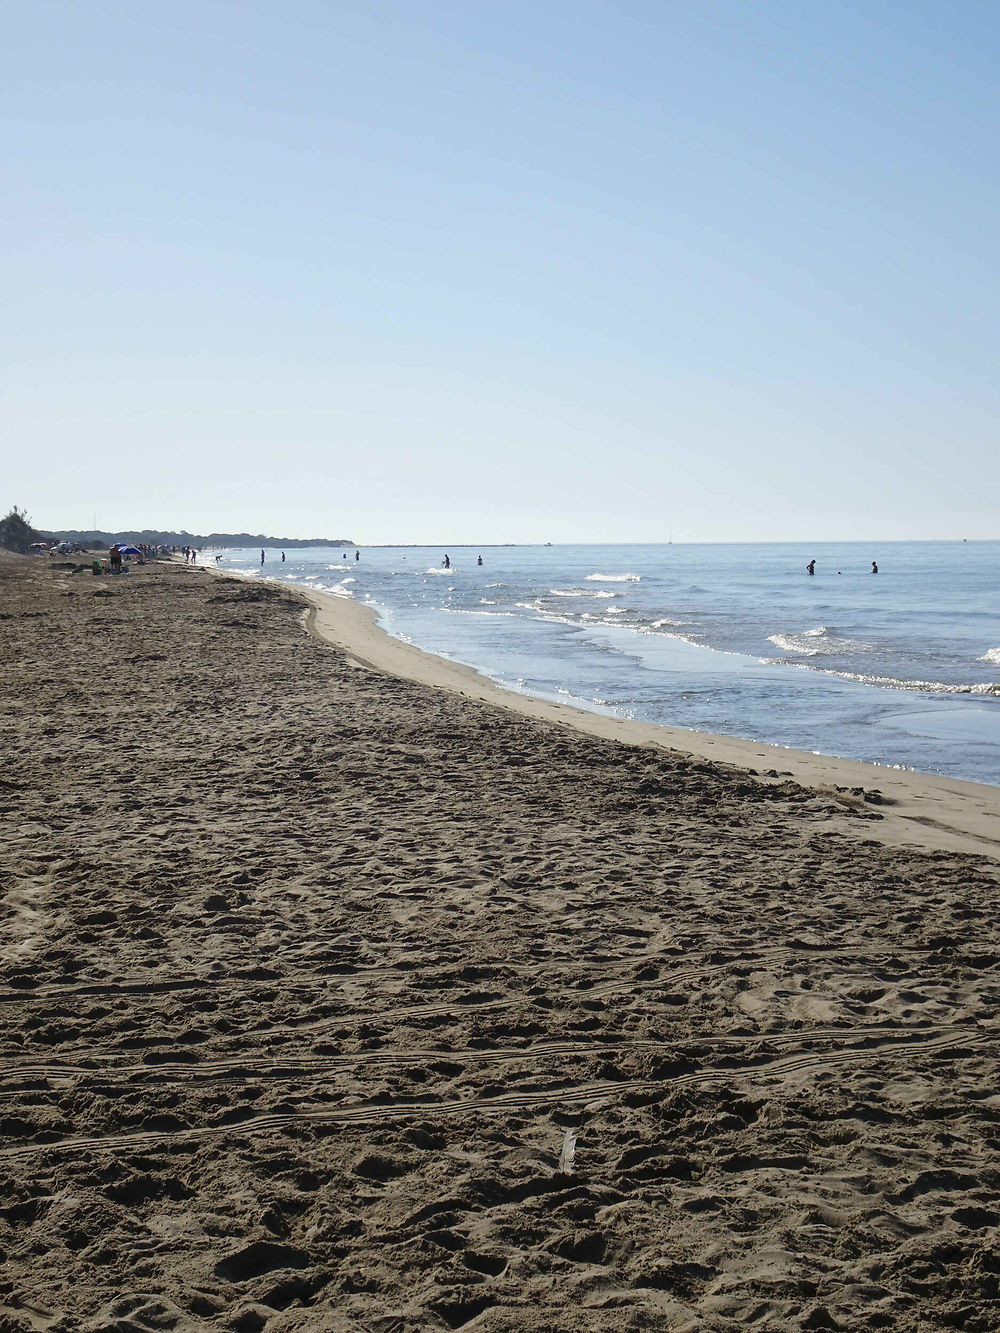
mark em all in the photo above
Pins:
pixel 991 655
pixel 581 592
pixel 435 570
pixel 334 589
pixel 988 688
pixel 614 578
pixel 793 643
pixel 817 642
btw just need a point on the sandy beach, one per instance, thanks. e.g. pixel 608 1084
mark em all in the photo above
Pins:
pixel 344 991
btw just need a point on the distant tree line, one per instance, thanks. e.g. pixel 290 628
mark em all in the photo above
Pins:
pixel 152 537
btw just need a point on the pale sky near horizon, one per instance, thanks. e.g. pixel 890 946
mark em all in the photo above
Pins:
pixel 415 271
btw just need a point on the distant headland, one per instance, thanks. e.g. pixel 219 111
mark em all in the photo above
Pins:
pixel 151 537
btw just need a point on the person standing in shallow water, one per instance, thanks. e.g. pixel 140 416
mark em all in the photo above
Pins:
pixel 282 557
pixel 874 567
pixel 811 567
pixel 446 562
pixel 357 555
pixel 262 557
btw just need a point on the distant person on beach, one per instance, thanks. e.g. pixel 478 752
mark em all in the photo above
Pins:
pixel 446 562
pixel 282 557
pixel 262 557
pixel 811 567
pixel 115 556
pixel 874 567
pixel 357 555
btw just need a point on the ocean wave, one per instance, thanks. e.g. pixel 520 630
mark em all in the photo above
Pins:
pixel 987 688
pixel 993 655
pixel 696 640
pixel 435 569
pixel 817 642
pixel 580 592
pixel 614 578
pixel 664 621
pixel 333 589
pixel 793 643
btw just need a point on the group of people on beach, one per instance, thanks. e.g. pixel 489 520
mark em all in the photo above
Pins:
pixel 811 567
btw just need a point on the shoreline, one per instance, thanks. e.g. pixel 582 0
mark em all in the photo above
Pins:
pixel 919 810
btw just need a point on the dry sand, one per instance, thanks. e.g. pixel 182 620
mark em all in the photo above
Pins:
pixel 334 1000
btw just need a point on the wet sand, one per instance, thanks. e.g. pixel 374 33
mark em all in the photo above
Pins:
pixel 336 1000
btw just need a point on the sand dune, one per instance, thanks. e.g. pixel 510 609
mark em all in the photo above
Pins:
pixel 335 1000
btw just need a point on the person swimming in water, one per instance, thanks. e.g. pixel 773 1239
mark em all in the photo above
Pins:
pixel 874 567
pixel 811 567
pixel 479 561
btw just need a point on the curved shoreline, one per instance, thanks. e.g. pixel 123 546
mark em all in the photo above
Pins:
pixel 919 810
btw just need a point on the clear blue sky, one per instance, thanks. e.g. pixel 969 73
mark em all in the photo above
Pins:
pixel 406 270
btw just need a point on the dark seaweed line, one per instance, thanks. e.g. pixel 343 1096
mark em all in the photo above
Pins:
pixel 507 1102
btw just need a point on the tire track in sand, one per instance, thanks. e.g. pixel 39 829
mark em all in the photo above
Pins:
pixel 108 1067
pixel 959 1043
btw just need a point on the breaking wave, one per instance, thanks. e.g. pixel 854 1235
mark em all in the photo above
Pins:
pixel 990 689
pixel 817 642
pixel 580 592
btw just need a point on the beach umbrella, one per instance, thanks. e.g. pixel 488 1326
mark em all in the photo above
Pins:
pixel 129 550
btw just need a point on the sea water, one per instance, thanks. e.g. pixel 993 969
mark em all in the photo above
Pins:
pixel 900 668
